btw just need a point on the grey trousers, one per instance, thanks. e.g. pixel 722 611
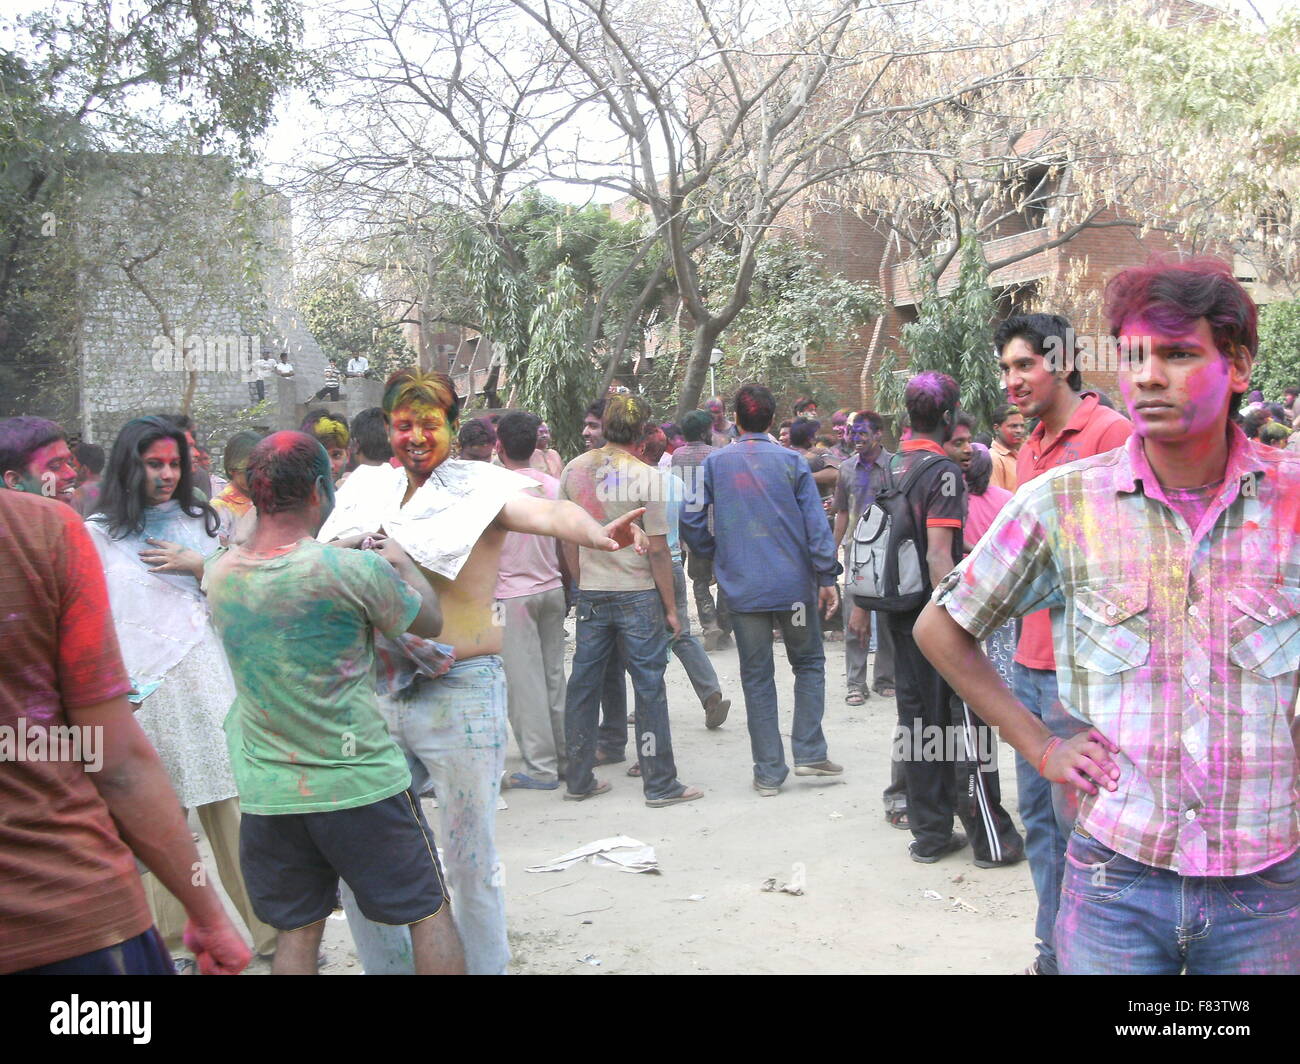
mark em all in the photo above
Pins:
pixel 712 617
pixel 855 653
pixel 532 650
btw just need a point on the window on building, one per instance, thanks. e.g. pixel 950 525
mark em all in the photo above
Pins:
pixel 1033 192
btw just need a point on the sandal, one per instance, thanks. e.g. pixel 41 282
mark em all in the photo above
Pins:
pixel 855 697
pixel 898 819
pixel 602 787
pixel 635 770
pixel 605 759
pixel 688 794
pixel 885 690
pixel 523 781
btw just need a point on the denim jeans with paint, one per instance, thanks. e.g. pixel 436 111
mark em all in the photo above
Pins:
pixel 453 730
pixel 801 634
pixel 611 738
pixel 634 621
pixel 1044 839
pixel 687 647
pixel 1121 917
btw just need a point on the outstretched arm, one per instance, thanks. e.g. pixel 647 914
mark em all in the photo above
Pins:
pixel 566 521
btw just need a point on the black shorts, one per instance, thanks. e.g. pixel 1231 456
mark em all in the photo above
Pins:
pixel 292 863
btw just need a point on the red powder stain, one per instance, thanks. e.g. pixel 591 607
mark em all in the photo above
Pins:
pixel 1250 526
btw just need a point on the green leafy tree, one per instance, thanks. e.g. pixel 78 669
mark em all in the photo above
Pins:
pixel 556 290
pixel 560 375
pixel 1198 123
pixel 347 324
pixel 953 334
pixel 83 78
pixel 796 311
pixel 1278 363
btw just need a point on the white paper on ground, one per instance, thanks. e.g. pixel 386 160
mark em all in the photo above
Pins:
pixel 619 852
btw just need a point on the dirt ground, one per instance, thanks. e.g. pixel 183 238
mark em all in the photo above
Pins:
pixel 866 906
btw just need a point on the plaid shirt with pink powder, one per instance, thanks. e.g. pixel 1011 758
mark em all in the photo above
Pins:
pixel 1181 645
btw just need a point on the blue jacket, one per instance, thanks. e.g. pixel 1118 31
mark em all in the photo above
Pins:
pixel 771 543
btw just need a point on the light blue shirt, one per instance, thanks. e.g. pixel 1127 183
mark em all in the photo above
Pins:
pixel 674 494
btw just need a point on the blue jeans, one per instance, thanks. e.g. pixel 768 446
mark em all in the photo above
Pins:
pixel 1044 839
pixel 1121 917
pixel 144 954
pixel 453 732
pixel 693 656
pixel 803 649
pixel 611 739
pixel 632 621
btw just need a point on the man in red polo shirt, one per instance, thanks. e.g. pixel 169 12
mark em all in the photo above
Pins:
pixel 1036 356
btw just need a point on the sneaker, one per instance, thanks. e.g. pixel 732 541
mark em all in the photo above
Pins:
pixel 821 768
pixel 954 844
pixel 715 710
pixel 767 790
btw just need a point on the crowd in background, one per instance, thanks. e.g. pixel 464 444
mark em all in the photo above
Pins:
pixel 301 643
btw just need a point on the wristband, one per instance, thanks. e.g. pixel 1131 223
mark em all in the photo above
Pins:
pixel 1052 744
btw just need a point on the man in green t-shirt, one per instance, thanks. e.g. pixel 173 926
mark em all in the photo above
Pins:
pixel 325 790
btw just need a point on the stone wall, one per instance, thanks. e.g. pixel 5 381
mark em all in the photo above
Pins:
pixel 210 262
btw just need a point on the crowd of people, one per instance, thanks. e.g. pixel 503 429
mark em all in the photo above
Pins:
pixel 358 615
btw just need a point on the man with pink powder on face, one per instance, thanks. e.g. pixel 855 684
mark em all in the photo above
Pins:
pixel 1171 568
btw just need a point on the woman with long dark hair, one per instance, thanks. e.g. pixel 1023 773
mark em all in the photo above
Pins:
pixel 153 533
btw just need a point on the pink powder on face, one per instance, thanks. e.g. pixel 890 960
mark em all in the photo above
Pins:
pixel 1201 394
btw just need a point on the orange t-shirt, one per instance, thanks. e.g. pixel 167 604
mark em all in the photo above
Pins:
pixel 1094 429
pixel 68 883
pixel 1004 468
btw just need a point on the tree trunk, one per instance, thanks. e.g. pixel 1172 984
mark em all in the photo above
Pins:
pixel 191 383
pixel 706 335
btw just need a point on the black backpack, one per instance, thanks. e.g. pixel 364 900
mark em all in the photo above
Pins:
pixel 887 569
